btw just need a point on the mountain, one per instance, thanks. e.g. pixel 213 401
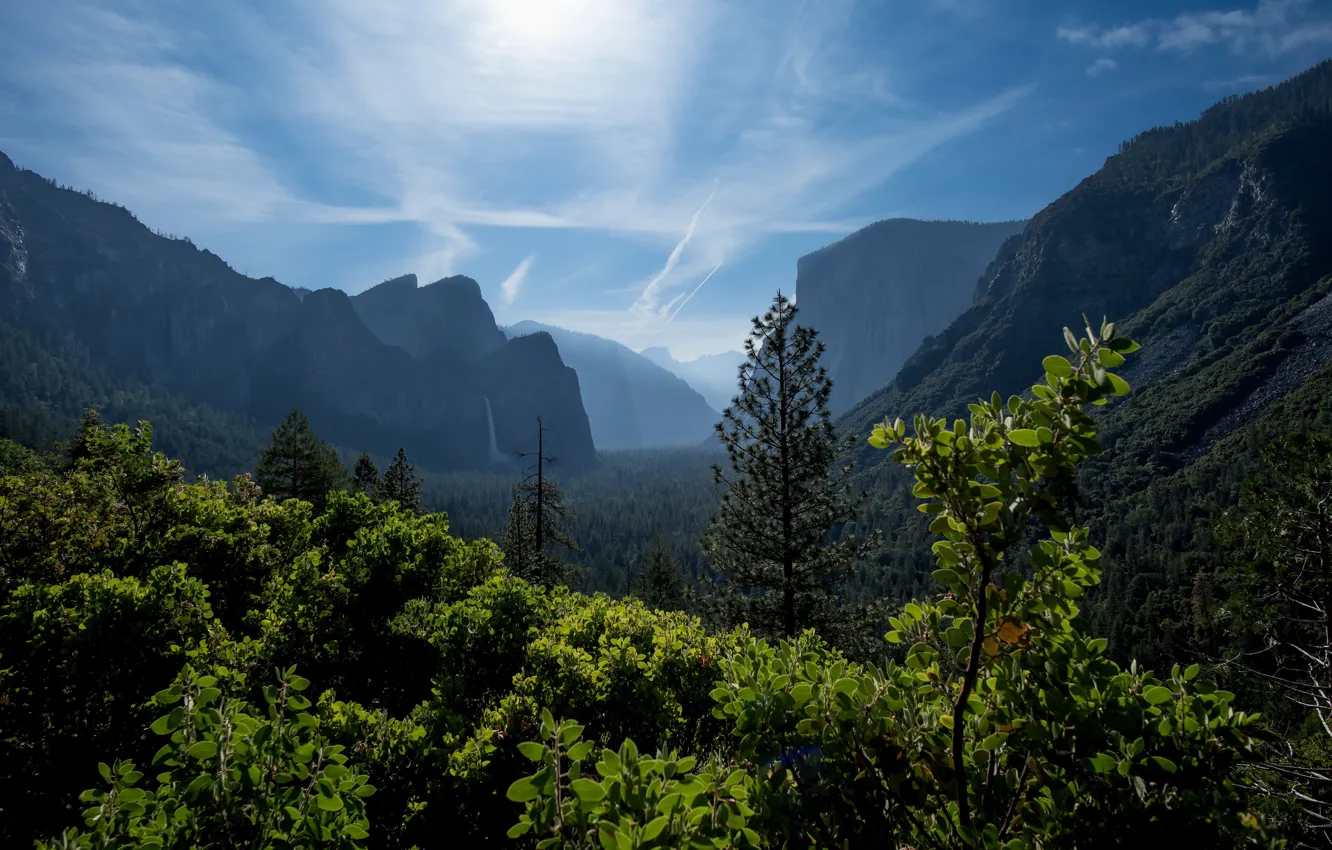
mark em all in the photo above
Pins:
pixel 875 295
pixel 1211 244
pixel 631 402
pixel 713 375
pixel 99 310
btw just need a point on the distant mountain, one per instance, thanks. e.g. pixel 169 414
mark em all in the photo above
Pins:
pixel 1211 244
pixel 713 375
pixel 875 295
pixel 631 402
pixel 87 290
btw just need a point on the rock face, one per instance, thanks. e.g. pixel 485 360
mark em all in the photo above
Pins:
pixel 875 295
pixel 631 402
pixel 395 366
pixel 713 375
pixel 1207 242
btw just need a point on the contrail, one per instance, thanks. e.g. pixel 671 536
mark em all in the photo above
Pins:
pixel 646 298
pixel 671 318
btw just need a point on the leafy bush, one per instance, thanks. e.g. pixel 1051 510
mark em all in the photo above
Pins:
pixel 230 778
pixel 1002 725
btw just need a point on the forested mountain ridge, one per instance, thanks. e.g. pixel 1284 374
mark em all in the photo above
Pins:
pixel 1209 242
pixel 631 402
pixel 156 315
pixel 876 294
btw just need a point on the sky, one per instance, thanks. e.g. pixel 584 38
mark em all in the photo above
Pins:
pixel 645 170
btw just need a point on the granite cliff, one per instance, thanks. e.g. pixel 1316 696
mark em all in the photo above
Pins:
pixel 158 318
pixel 875 295
pixel 1210 243
pixel 631 402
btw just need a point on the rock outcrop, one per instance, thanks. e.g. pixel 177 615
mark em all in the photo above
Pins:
pixel 875 295
pixel 399 365
pixel 631 402
pixel 1205 241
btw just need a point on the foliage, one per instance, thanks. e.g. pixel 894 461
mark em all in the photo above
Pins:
pixel 769 539
pixel 80 659
pixel 299 465
pixel 1004 725
pixel 1283 532
pixel 365 476
pixel 230 777
pixel 659 583
pixel 633 801
pixel 400 484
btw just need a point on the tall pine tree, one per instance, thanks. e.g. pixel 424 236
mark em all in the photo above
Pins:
pixel 401 485
pixel 770 540
pixel 660 584
pixel 538 521
pixel 297 464
pixel 365 476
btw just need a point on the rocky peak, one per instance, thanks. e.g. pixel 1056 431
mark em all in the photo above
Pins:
pixel 447 319
pixel 875 295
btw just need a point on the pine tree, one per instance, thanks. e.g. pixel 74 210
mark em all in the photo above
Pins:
pixel 297 464
pixel 365 476
pixel 538 521
pixel 770 540
pixel 660 584
pixel 401 485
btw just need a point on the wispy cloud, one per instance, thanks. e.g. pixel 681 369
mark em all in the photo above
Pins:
pixel 465 117
pixel 1125 35
pixel 513 284
pixel 1272 27
pixel 1103 65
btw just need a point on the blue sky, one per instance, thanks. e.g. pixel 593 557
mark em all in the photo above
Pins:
pixel 647 170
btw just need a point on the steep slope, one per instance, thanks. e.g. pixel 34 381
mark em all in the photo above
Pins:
pixel 631 402
pixel 875 295
pixel 712 375
pixel 1209 242
pixel 86 283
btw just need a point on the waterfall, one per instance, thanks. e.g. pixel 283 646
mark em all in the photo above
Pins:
pixel 495 456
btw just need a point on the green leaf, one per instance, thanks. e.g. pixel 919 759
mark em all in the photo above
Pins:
pixel 1191 673
pixel 524 789
pixel 1164 763
pixel 1102 763
pixel 329 803
pixel 654 827
pixel 104 769
pixel 365 791
pixel 846 686
pixel 532 750
pixel 1057 366
pixel 1157 695
pixel 1110 359
pixel 203 750
pixel 587 789
pixel 298 684
pixel 354 831
pixel 1024 437
pixel 580 750
pixel 167 697
pixel 1118 385
pixel 519 829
